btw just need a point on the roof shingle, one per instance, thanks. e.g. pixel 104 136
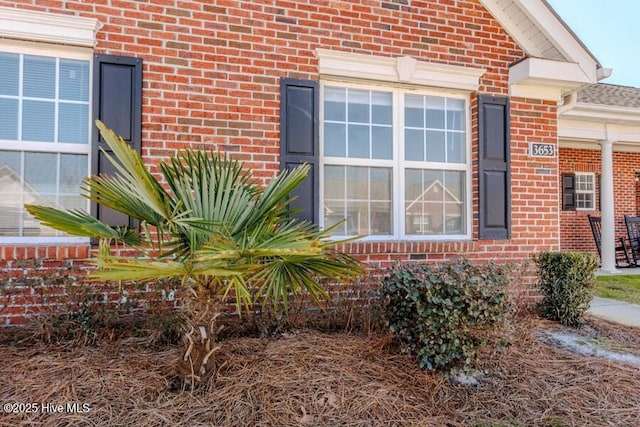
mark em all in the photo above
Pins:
pixel 608 94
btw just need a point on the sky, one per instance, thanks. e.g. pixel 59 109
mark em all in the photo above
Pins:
pixel 611 31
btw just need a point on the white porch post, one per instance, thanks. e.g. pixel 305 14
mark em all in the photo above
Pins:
pixel 608 257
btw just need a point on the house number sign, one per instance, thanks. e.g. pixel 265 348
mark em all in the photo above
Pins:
pixel 541 149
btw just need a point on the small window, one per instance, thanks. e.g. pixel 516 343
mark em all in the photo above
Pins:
pixel 585 191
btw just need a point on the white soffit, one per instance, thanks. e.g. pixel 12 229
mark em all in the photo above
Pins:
pixel 539 31
pixel 48 27
pixel 545 79
pixel 398 70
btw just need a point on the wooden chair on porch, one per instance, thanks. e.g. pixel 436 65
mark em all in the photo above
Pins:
pixel 622 253
pixel 633 232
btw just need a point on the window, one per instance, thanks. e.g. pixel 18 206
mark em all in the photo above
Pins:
pixel 44 134
pixel 395 163
pixel 585 191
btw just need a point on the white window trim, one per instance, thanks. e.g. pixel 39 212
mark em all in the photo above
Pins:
pixel 398 165
pixel 64 52
pixel 592 192
pixel 398 70
pixel 48 27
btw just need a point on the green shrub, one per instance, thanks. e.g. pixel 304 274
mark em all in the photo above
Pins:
pixel 444 314
pixel 566 280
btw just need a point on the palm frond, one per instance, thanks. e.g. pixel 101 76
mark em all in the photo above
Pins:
pixel 132 169
pixel 119 268
pixel 80 223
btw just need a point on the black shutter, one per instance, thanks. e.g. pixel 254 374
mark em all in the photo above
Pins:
pixel 299 122
pixel 568 192
pixel 493 167
pixel 117 101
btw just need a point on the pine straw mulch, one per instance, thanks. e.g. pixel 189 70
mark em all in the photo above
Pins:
pixel 321 379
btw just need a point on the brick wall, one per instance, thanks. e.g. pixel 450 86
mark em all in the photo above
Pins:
pixel 575 232
pixel 211 80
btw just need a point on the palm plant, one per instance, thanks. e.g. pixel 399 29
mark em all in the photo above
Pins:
pixel 211 225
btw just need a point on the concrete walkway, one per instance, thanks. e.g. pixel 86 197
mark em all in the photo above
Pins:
pixel 615 311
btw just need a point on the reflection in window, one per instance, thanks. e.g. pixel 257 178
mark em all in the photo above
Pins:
pixel 44 107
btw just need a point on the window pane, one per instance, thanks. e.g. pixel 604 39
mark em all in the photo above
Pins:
pixel 335 104
pixel 454 183
pixel 73 123
pixel 357 217
pixel 435 146
pixel 414 145
pixel 335 140
pixel 9 70
pixel 73 202
pixel 453 218
pixel 380 183
pixel 434 112
pixel 73 167
pixel 455 147
pixel 334 212
pixel 74 80
pixel 9 166
pixel 358 106
pixel 8 118
pixel 366 206
pixel 38 121
pixel 412 184
pixel 11 190
pixel 455 114
pixel 381 218
pixel 10 213
pixel 381 108
pixel 433 211
pixel 39 78
pixel 334 182
pixel 359 141
pixel 357 183
pixel 434 202
pixel 382 142
pixel 414 111
pixel 40 172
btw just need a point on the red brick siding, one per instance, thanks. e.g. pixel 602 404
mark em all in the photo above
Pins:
pixel 574 225
pixel 211 80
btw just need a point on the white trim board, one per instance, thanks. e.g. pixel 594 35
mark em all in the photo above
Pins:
pixel 48 27
pixel 397 70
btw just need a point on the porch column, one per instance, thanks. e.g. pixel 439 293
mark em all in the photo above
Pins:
pixel 608 256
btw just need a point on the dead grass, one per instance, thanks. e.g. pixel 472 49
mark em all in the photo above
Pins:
pixel 313 378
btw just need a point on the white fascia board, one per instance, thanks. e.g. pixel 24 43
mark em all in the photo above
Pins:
pixel 48 27
pixel 586 131
pixel 579 145
pixel 604 114
pixel 545 79
pixel 397 70
pixel 620 147
pixel 577 130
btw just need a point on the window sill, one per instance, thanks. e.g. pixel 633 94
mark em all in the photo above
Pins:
pixel 50 241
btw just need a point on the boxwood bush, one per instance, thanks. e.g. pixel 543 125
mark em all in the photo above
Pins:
pixel 443 314
pixel 566 280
